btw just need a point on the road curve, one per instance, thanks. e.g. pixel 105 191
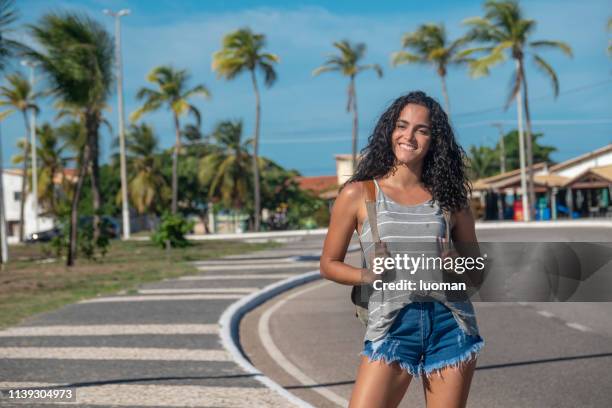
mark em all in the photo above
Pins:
pixel 536 354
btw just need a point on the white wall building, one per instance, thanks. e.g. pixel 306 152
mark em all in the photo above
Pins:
pixel 11 180
pixel 573 167
pixel 344 167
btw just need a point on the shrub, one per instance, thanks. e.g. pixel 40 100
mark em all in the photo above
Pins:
pixel 172 229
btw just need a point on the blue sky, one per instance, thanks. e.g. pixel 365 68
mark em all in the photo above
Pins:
pixel 304 121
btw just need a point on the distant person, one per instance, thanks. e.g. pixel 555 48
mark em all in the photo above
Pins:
pixel 419 174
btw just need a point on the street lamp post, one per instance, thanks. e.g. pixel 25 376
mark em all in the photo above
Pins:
pixel 502 149
pixel 32 65
pixel 124 192
pixel 524 192
pixel 3 231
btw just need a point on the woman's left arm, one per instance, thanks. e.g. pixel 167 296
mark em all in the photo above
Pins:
pixel 463 233
pixel 463 229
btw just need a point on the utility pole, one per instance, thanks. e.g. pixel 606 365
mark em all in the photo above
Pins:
pixel 524 192
pixel 124 187
pixel 3 237
pixel 502 149
pixel 32 65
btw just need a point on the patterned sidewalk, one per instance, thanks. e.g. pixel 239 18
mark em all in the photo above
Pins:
pixel 155 348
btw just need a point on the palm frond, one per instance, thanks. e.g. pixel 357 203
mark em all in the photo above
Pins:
pixel 404 57
pixel 549 71
pixel 269 73
pixel 481 66
pixel 548 44
pixel 199 90
pixel 196 114
pixel 516 81
pixel 377 68
pixel 325 68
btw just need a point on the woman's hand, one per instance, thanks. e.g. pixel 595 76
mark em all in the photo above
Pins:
pixel 369 276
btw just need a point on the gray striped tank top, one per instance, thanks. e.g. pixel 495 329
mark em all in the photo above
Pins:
pixel 397 225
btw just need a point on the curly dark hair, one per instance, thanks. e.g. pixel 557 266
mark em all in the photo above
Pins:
pixel 444 168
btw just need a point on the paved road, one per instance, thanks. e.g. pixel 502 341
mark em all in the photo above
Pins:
pixel 536 354
pixel 158 347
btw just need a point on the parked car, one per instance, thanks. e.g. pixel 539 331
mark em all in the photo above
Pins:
pixel 110 225
pixel 43 236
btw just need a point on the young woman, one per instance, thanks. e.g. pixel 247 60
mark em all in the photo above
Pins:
pixel 419 173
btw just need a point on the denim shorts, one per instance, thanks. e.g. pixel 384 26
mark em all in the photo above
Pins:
pixel 424 338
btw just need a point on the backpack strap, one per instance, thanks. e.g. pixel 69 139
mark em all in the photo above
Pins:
pixel 447 221
pixel 370 203
pixel 370 190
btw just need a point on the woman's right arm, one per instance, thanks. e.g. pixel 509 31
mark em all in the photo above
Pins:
pixel 344 219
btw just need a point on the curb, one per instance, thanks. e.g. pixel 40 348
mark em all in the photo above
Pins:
pixel 543 224
pixel 229 323
pixel 249 235
pixel 480 225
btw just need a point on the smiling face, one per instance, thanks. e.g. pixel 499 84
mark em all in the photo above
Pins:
pixel 412 134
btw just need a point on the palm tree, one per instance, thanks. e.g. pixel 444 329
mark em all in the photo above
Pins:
pixel 52 164
pixel 147 186
pixel 20 96
pixel 74 137
pixel 504 30
pixel 173 92
pixel 482 162
pixel 430 45
pixel 225 170
pixel 241 51
pixel 77 57
pixel 348 64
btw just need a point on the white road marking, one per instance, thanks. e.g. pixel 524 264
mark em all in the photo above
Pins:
pixel 545 313
pixel 281 360
pixel 251 267
pixel 110 330
pixel 149 298
pixel 141 395
pixel 195 290
pixel 578 326
pixel 113 353
pixel 237 277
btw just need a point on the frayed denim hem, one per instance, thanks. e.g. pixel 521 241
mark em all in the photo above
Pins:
pixel 455 362
pixel 386 348
pixel 385 351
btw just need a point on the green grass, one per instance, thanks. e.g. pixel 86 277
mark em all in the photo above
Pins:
pixel 29 287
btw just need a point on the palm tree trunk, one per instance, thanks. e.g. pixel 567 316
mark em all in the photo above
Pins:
pixel 529 144
pixel 445 93
pixel 92 126
pixel 177 147
pixel 519 112
pixel 256 186
pixel 355 123
pixel 74 208
pixel 24 185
